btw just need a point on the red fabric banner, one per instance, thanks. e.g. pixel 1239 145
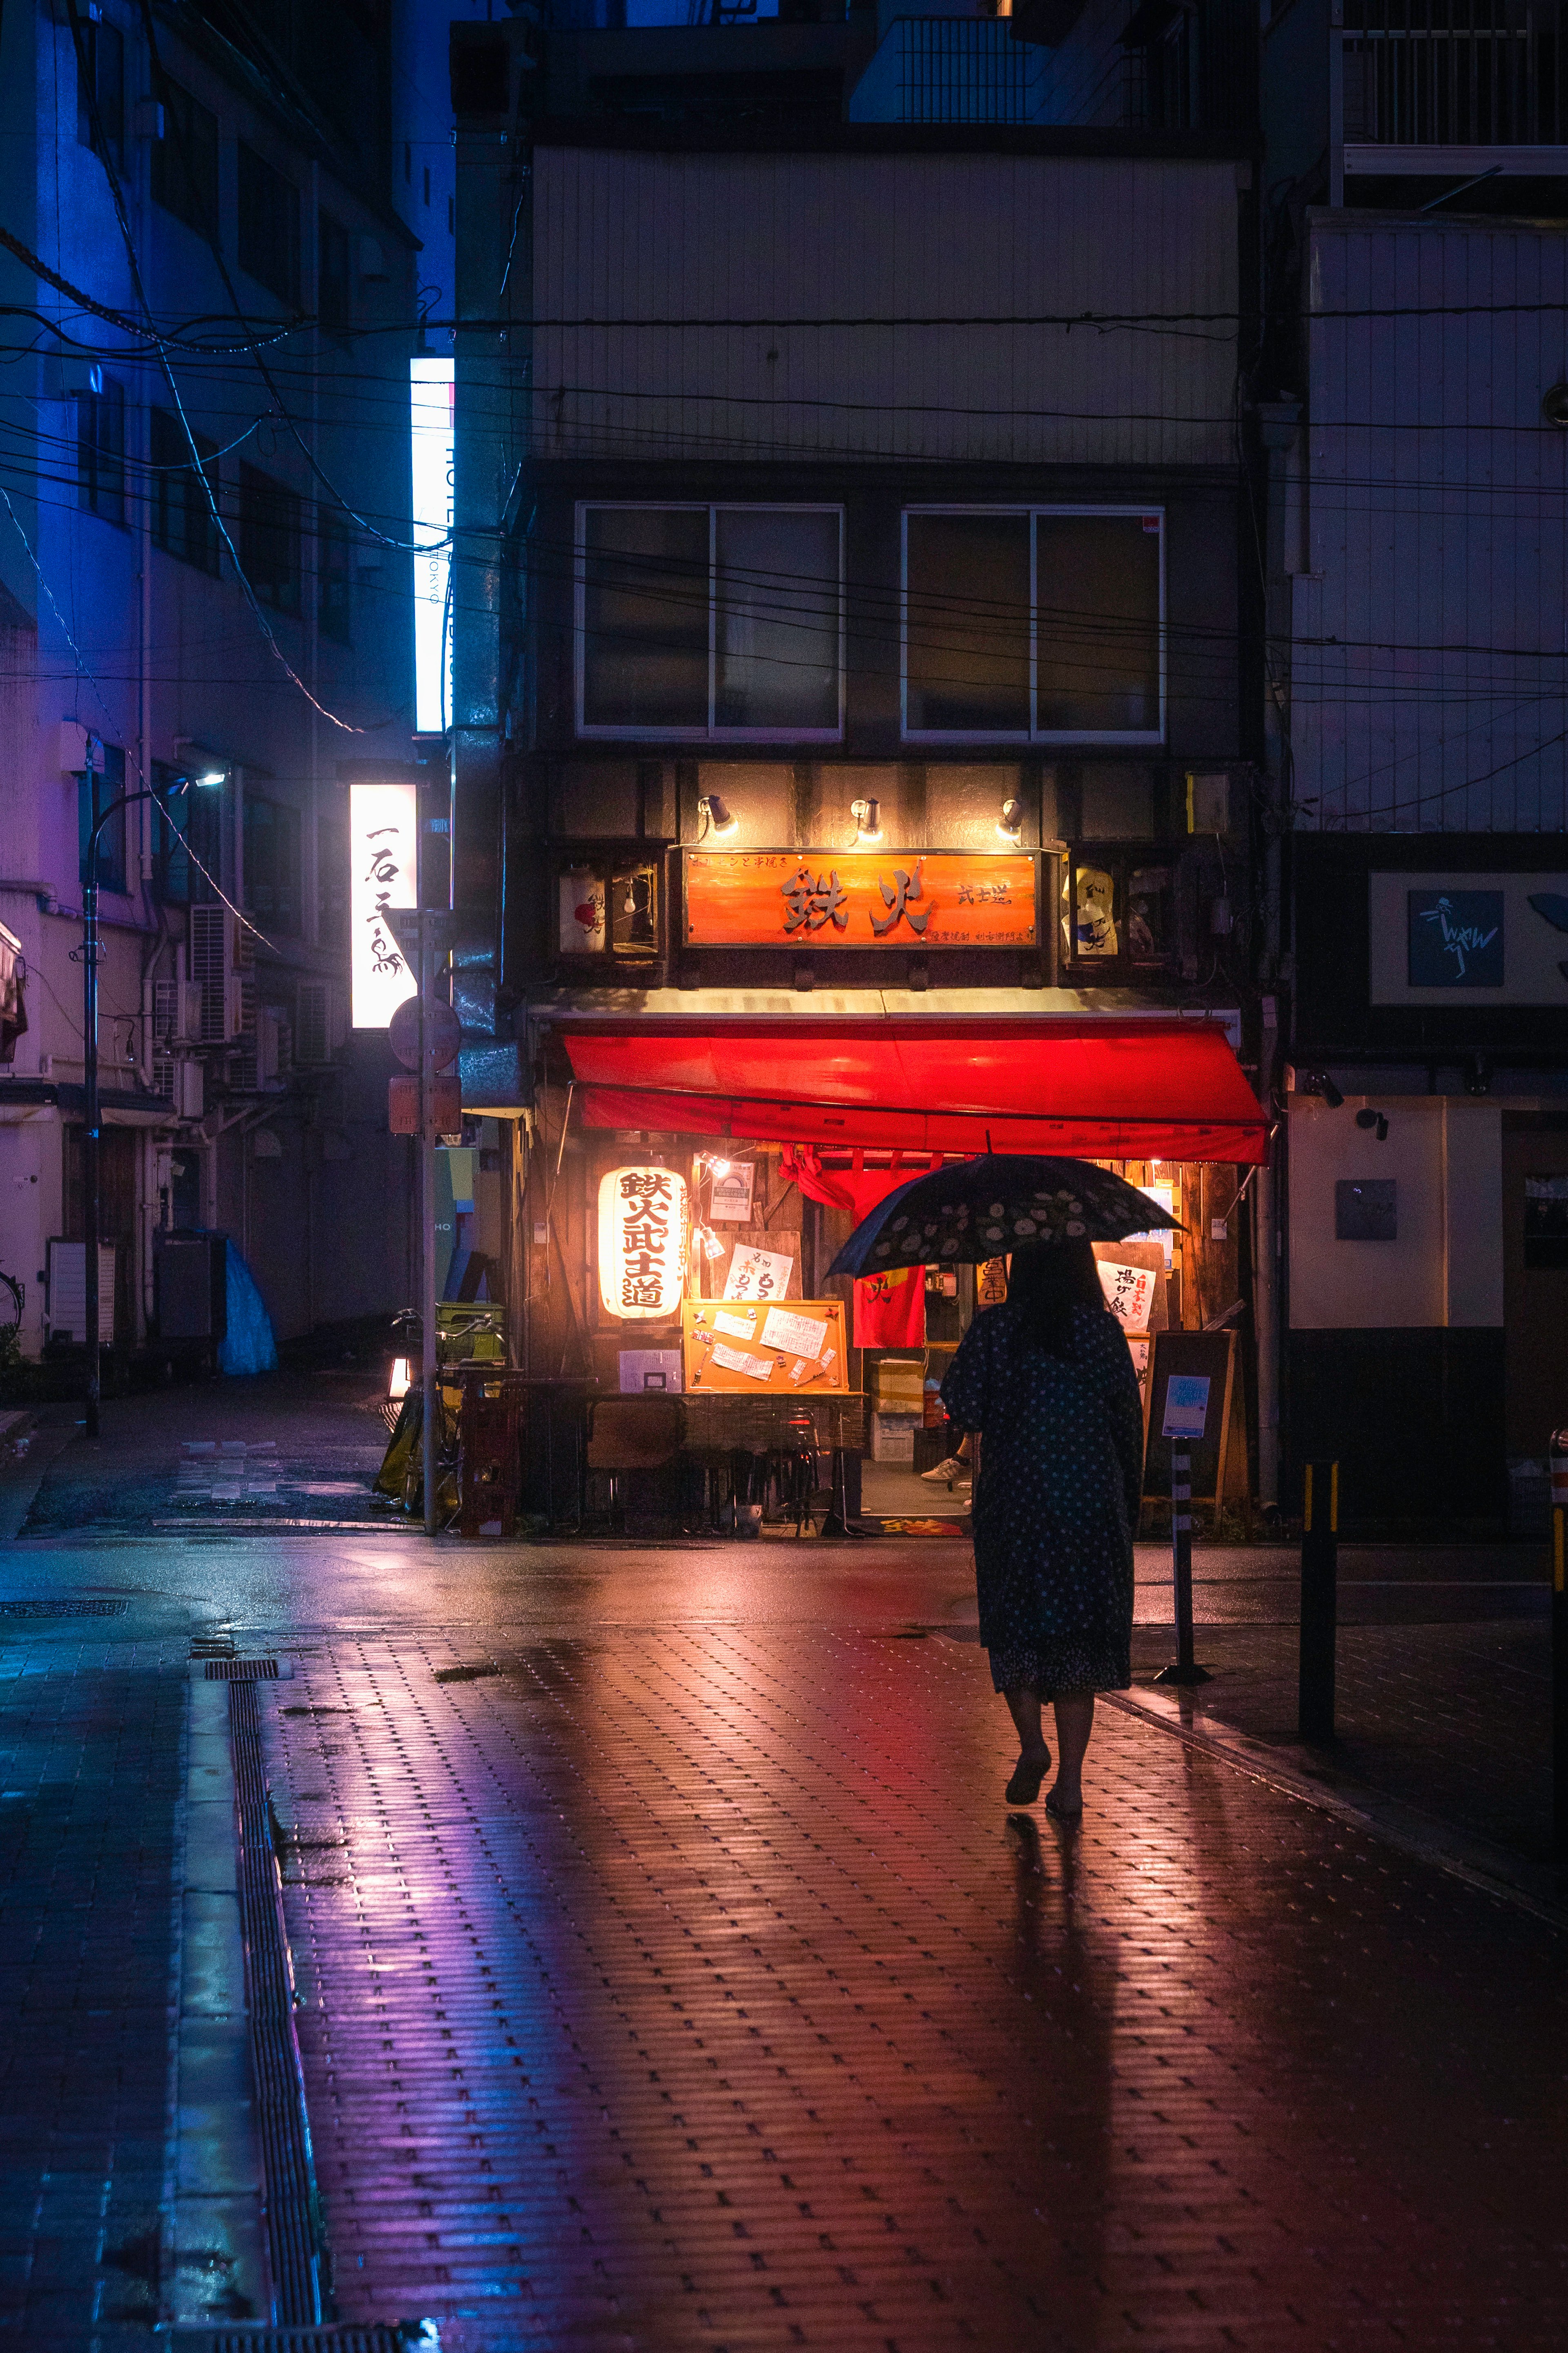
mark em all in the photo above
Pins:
pixel 891 1309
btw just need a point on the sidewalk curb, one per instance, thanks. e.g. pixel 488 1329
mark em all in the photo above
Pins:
pixel 1296 1773
pixel 215 2222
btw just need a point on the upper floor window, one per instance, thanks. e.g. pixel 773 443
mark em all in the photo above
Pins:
pixel 183 521
pixel 185 161
pixel 334 556
pixel 100 448
pixel 1042 624
pixel 269 538
pixel 272 863
pixel 269 226
pixel 705 621
pixel 101 87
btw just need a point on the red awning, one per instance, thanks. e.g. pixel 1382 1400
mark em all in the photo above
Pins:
pixel 1111 1089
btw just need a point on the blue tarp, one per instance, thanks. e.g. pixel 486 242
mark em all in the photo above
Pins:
pixel 249 1346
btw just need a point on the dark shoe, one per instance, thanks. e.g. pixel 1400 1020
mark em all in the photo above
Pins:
pixel 1028 1774
pixel 1063 1813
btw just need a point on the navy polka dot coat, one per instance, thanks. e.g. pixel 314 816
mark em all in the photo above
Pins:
pixel 1056 1499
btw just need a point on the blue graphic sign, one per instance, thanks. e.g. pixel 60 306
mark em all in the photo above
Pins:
pixel 1455 939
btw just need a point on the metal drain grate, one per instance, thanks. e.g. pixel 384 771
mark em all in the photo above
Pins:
pixel 63 1609
pixel 242 1671
pixel 347 2336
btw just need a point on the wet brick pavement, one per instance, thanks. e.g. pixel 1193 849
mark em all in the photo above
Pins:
pixel 90 1764
pixel 692 1987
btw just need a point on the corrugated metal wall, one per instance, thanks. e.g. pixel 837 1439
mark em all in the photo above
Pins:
pixel 679 237
pixel 1438 572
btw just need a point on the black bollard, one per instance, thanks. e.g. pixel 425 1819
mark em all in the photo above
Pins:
pixel 1186 1669
pixel 1320 1599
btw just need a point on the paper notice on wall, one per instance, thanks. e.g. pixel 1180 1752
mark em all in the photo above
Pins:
pixel 1140 1352
pixel 737 1360
pixel 801 1335
pixel 1186 1405
pixel 731 1200
pixel 1164 1197
pixel 758 1274
pixel 740 1327
pixel 1129 1293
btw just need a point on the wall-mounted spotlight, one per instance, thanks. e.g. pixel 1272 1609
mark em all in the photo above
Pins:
pixel 718 817
pixel 1368 1118
pixel 867 817
pixel 1010 823
pixel 1317 1083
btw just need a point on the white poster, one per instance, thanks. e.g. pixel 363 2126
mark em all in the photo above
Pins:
pixel 1129 1293
pixel 732 1204
pixel 383 873
pixel 582 923
pixel 642 1242
pixel 431 395
pixel 758 1274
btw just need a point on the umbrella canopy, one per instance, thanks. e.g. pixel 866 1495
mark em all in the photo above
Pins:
pixel 999 1203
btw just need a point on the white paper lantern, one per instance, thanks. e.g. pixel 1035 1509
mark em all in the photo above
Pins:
pixel 642 1243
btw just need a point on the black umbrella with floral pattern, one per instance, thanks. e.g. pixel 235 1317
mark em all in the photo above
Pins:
pixel 987 1207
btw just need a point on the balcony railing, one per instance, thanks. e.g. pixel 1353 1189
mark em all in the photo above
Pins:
pixel 1452 73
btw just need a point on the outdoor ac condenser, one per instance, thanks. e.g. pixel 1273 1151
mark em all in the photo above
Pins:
pixel 220 959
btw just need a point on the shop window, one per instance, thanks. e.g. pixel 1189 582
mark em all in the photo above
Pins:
pixel 185 161
pixel 272 863
pixel 96 792
pixel 1118 910
pixel 269 226
pixel 100 448
pixel 609 906
pixel 101 88
pixel 182 524
pixel 1042 624
pixel 269 539
pixel 708 622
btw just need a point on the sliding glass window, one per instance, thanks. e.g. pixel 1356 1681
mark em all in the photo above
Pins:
pixel 1043 625
pixel 710 622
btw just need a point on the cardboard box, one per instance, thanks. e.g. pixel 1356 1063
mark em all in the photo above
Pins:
pixel 898 1383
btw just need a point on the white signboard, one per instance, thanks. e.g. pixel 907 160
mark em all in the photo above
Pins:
pixel 431 393
pixel 582 931
pixel 384 839
pixel 642 1243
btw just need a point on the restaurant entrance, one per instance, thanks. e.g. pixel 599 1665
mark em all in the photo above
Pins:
pixel 696 1174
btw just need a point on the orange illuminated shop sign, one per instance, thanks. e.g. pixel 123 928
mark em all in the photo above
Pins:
pixel 858 899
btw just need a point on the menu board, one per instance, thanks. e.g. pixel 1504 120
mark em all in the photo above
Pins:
pixel 757 1348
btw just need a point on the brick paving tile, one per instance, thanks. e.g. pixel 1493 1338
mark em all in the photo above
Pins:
pixel 695 1989
pixel 89 1774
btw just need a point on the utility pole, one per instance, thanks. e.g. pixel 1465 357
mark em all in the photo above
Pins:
pixel 427 1216
pixel 90 1170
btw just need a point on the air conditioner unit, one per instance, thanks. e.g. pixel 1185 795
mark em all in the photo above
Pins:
pixel 219 958
pixel 313 1011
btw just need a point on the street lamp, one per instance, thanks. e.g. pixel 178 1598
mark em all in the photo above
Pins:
pixel 91 1121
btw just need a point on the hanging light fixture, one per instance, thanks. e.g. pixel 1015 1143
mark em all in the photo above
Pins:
pixel 1010 823
pixel 718 817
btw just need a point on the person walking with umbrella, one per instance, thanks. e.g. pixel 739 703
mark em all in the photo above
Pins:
pixel 1047 1382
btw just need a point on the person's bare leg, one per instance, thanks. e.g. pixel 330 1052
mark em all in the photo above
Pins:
pixel 1074 1722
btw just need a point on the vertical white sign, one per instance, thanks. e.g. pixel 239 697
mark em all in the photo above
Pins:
pixel 383 847
pixel 431 395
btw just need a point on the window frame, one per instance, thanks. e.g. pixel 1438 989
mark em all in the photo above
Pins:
pixel 261 189
pixel 102 40
pixel 182 524
pixel 1132 738
pixel 334 574
pixel 711 734
pixel 102 486
pixel 287 519
pixel 174 178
